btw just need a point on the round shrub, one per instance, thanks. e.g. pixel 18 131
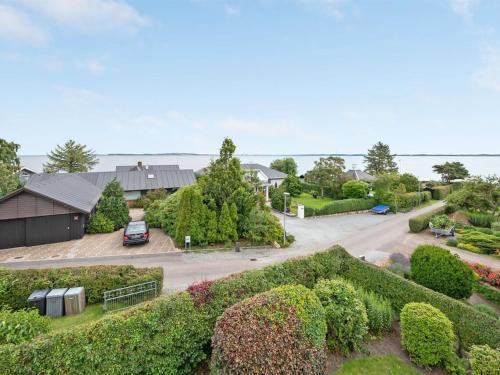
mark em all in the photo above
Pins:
pixel 379 312
pixel 279 331
pixel 21 325
pixel 484 360
pixel 100 224
pixel 346 316
pixel 426 334
pixel 437 269
pixel 355 189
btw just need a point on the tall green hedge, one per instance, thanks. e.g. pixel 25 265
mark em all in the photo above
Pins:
pixel 171 335
pixel 17 285
pixel 441 192
pixel 339 206
pixel 472 327
pixel 421 222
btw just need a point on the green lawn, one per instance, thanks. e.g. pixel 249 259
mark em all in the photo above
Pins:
pixel 376 365
pixel 91 313
pixel 308 200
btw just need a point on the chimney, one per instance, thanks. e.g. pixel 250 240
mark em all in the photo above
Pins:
pixel 139 164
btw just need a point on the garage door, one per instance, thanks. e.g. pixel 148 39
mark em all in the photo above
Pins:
pixel 47 229
pixel 12 233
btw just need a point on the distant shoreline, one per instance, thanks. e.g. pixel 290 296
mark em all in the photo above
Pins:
pixel 285 155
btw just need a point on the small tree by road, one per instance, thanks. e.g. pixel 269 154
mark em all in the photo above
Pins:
pixel 379 160
pixel 326 172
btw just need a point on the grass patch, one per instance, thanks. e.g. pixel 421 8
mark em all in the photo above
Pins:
pixel 309 201
pixel 376 365
pixel 90 314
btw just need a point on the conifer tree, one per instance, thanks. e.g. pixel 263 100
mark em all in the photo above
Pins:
pixel 227 226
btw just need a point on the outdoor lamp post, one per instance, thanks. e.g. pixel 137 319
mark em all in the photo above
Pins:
pixel 284 218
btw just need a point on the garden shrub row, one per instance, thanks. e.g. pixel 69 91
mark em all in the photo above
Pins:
pixel 471 326
pixel 441 192
pixel 17 285
pixel 414 199
pixel 343 205
pixel 171 335
pixel 421 222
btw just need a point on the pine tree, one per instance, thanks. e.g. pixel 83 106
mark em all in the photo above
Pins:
pixel 72 158
pixel 227 226
pixel 211 225
pixel 380 160
pixel 113 205
pixel 191 217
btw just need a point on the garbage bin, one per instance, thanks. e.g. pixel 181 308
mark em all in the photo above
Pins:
pixel 37 300
pixel 55 302
pixel 74 301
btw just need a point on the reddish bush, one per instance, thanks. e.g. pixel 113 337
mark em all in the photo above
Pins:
pixel 281 331
pixel 485 273
pixel 200 292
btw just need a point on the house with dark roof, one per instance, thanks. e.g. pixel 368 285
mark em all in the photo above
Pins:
pixel 55 207
pixel 268 177
pixel 356 174
pixel 53 210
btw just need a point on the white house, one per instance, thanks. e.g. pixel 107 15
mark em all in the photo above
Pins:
pixel 268 177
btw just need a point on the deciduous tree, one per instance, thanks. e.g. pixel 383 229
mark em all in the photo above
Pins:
pixel 326 172
pixel 9 167
pixel 285 165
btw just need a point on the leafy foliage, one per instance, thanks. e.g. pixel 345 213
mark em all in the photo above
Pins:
pixel 436 268
pixel 355 189
pixel 21 325
pixel 99 223
pixel 163 213
pixel 451 171
pixel 17 285
pixel 9 166
pixel 481 219
pixel 410 182
pixel 376 365
pixel 71 157
pixel 442 222
pixel 285 165
pixel 279 331
pixel 378 310
pixel 277 197
pixel 327 172
pixel 441 192
pixel 292 185
pixel 151 196
pixel 190 216
pixel 227 223
pixel 263 227
pixel 486 243
pixel 345 314
pixel 481 194
pixel 113 205
pixel 427 334
pixel 344 205
pixel 486 309
pixel 484 360
pixel 421 222
pixel 379 160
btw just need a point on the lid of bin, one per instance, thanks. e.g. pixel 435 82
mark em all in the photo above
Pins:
pixel 38 294
pixel 59 292
pixel 75 291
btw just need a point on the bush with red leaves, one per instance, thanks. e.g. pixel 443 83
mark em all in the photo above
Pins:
pixel 281 331
pixel 201 293
pixel 485 273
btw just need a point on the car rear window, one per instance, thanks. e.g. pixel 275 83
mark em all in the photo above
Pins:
pixel 136 228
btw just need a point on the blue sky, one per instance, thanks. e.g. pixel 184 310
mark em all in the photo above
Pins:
pixel 296 76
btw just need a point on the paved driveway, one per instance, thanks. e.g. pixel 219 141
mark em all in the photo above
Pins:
pixel 91 246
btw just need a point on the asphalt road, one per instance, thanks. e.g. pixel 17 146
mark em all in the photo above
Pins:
pixel 373 236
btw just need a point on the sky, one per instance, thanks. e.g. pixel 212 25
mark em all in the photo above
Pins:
pixel 277 76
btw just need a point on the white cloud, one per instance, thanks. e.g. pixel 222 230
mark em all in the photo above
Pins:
pixel 231 10
pixel 463 8
pixel 331 7
pixel 15 25
pixel 90 15
pixel 488 75
pixel 93 66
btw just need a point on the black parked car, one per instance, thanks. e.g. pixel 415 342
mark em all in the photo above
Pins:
pixel 136 232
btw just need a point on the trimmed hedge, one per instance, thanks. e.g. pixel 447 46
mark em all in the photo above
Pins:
pixel 279 331
pixel 490 293
pixel 17 285
pixel 340 206
pixel 22 325
pixel 441 192
pixel 472 327
pixel 438 269
pixel 421 222
pixel 171 335
pixel 427 334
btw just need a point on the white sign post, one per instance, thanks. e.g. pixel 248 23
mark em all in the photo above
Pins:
pixel 300 211
pixel 187 242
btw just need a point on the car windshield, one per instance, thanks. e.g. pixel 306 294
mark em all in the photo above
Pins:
pixel 136 228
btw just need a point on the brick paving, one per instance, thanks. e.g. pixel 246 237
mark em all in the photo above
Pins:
pixel 91 245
